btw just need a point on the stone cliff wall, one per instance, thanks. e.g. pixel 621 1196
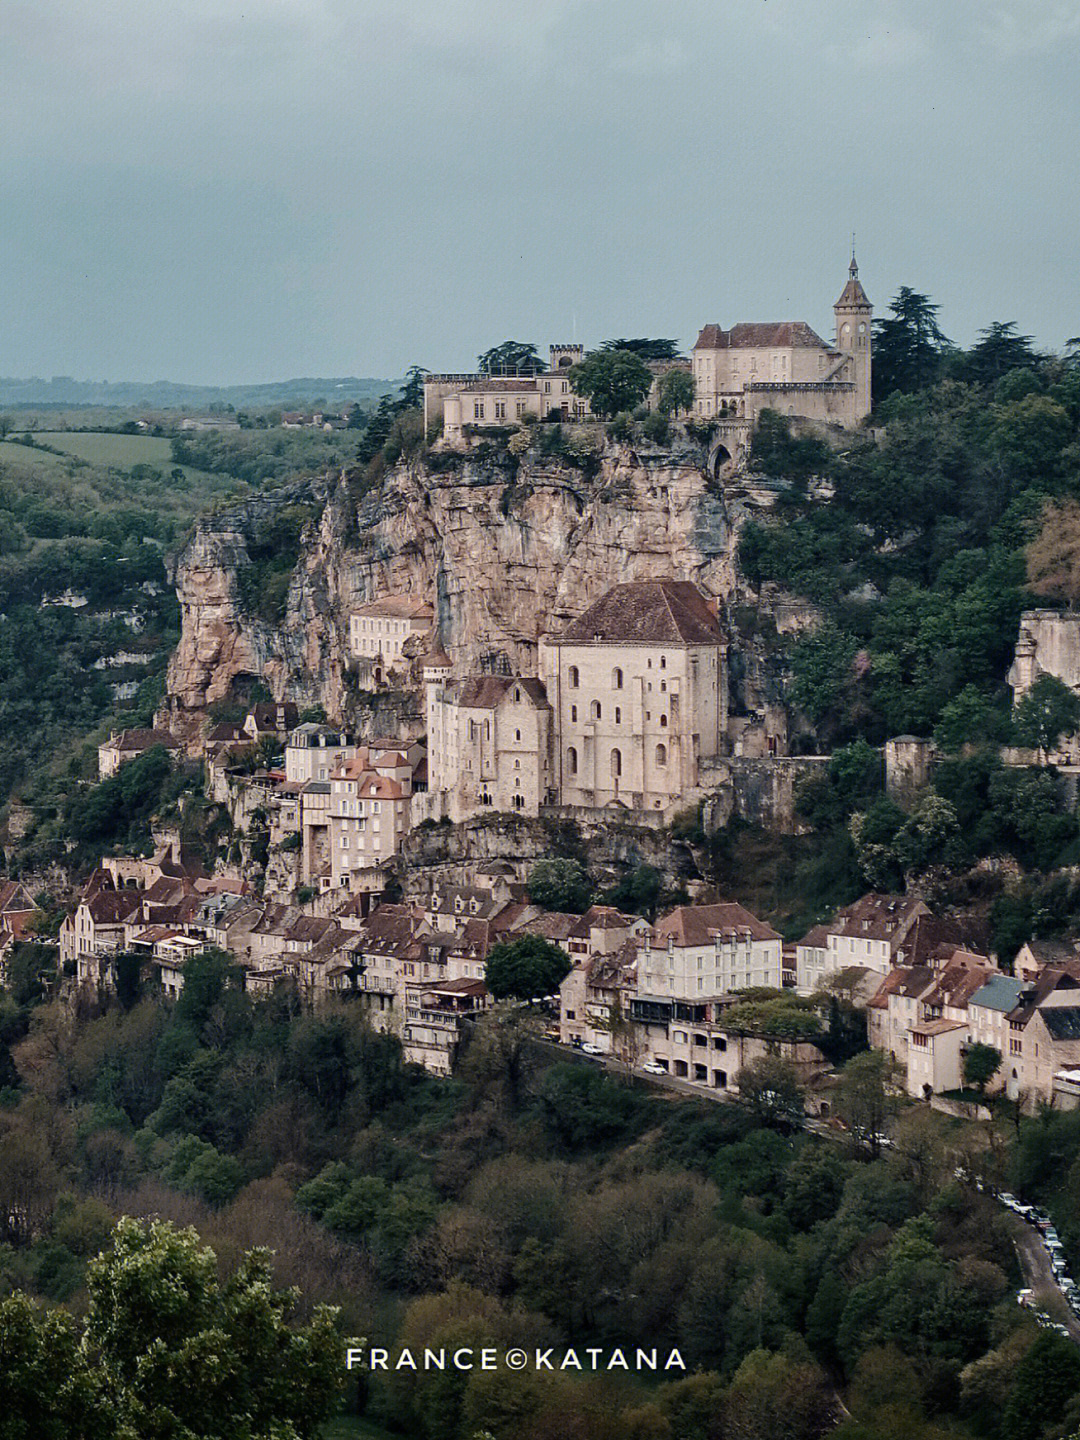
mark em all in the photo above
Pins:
pixel 503 549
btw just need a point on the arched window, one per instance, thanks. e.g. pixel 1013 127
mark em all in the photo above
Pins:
pixel 618 715
pixel 661 754
pixel 616 679
pixel 517 734
pixel 594 710
pixel 663 722
pixel 573 714
pixel 616 764
pixel 571 760
pixel 663 662
pixel 573 679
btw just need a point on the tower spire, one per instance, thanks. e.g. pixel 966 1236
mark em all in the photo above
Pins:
pixel 853 268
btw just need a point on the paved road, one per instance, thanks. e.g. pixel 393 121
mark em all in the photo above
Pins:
pixel 1038 1276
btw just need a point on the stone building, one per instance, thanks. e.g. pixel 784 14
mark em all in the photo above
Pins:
pixel 1048 644
pixel 458 403
pixel 785 366
pixel 368 816
pixel 379 635
pixel 702 950
pixel 312 752
pixel 638 693
pixel 489 745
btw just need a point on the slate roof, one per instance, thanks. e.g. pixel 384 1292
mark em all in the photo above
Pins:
pixel 1001 992
pixel 1062 1021
pixel 768 335
pixel 647 612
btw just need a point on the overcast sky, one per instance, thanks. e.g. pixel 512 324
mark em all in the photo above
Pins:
pixel 228 191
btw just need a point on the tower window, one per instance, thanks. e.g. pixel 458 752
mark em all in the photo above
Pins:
pixel 616 764
pixel 616 679
pixel 571 760
pixel 573 679
pixel 661 754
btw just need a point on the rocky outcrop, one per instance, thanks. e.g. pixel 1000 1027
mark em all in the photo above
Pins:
pixel 504 548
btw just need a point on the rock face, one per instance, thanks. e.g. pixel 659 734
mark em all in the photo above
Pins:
pixel 504 550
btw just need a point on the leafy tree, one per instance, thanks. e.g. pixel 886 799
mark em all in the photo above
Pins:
pixel 824 674
pixel 645 349
pixel 560 885
pixel 182 1353
pixel 981 1064
pixel 676 392
pixel 611 380
pixel 512 357
pixel 908 345
pixel 969 719
pixel 48 1389
pixel 1048 711
pixel 777 453
pixel 638 892
pixel 770 1087
pixel 525 969
pixel 1046 1380
pixel 865 1100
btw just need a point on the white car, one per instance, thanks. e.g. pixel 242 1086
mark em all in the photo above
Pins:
pixel 587 1049
pixel 652 1068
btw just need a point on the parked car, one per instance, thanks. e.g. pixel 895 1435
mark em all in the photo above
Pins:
pixel 588 1049
pixel 652 1068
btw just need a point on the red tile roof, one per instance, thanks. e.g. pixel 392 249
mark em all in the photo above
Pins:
pixel 700 924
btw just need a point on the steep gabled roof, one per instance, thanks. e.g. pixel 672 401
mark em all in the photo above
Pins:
pixel 647 612
pixel 700 924
pixel 487 692
pixel 1062 1021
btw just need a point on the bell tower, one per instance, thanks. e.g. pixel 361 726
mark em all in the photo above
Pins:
pixel 853 312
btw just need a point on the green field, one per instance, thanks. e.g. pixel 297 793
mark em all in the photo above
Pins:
pixel 119 452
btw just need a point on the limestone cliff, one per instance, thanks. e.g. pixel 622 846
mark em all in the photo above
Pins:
pixel 504 549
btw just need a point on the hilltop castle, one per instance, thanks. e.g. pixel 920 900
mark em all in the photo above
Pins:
pixel 777 365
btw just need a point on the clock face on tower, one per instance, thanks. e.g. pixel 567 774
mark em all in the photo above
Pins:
pixel 846 330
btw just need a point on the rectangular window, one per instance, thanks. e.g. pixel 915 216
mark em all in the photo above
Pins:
pixel 519 408
pixel 500 409
pixel 478 410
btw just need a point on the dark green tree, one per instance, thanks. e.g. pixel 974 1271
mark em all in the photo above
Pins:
pixel 981 1064
pixel 412 392
pixel 645 349
pixel 512 357
pixel 560 885
pixel 525 969
pixel 997 350
pixel 908 345
pixel 1046 1380
pixel 676 392
pixel 611 380
pixel 1048 711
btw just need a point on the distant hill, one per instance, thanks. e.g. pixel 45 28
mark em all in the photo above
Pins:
pixel 167 394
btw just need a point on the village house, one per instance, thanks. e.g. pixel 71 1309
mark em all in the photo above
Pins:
pixel 1043 1032
pixel 312 752
pixel 368 816
pixel 380 632
pixel 637 687
pixel 125 745
pixel 705 950
pixel 17 909
pixel 604 946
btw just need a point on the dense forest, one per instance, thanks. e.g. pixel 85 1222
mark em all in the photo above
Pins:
pixel 808 1281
